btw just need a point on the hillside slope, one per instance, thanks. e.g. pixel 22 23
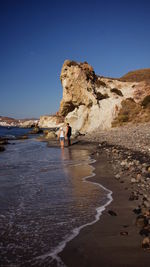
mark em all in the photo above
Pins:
pixel 137 76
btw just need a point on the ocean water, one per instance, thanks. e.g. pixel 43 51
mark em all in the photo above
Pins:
pixel 45 199
pixel 12 132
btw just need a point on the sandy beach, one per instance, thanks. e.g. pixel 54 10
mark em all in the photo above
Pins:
pixel 116 239
pixel 122 165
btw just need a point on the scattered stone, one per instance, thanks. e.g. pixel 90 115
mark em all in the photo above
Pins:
pixel 133 180
pixel 146 242
pixel 51 135
pixel 22 137
pixel 2 148
pixel 141 221
pixel 144 231
pixel 125 225
pixel 138 177
pixel 133 196
pixel 124 233
pixel 137 210
pixel 3 141
pixel 145 212
pixel 146 204
pixel 2 216
pixel 36 130
pixel 143 170
pixel 112 213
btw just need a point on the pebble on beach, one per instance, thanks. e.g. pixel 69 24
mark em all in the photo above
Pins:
pixel 2 148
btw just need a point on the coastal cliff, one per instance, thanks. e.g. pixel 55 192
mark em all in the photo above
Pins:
pixel 23 123
pixel 91 101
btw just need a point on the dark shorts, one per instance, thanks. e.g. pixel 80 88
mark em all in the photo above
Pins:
pixel 62 138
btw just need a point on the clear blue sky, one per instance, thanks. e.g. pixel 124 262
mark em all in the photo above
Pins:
pixel 36 36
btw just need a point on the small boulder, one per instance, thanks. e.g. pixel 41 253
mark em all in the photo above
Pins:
pixel 22 137
pixel 138 177
pixel 3 141
pixel 36 130
pixel 117 176
pixel 112 213
pixel 141 221
pixel 146 204
pixel 146 242
pixel 137 210
pixel 124 233
pixel 2 148
pixel 144 231
pixel 133 180
pixel 51 135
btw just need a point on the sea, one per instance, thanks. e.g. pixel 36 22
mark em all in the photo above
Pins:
pixel 45 199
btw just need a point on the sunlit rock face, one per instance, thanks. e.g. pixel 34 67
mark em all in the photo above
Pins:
pixel 90 101
pixel 27 123
pixel 53 121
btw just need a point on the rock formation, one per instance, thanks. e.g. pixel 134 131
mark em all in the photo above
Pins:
pixel 23 123
pixel 51 121
pixel 91 101
pixel 6 121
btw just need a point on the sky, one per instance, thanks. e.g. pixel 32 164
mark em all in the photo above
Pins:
pixel 37 36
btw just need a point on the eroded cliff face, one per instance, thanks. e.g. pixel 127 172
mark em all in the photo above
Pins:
pixel 91 101
pixel 51 121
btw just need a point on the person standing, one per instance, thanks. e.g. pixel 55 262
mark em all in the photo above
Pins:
pixel 61 136
pixel 68 134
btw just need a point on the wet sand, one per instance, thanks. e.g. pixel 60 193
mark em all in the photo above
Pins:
pixel 113 241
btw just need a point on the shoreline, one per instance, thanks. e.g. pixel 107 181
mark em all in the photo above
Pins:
pixel 112 240
pixel 56 259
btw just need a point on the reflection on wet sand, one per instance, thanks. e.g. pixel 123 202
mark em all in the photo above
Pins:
pixel 66 154
pixel 81 187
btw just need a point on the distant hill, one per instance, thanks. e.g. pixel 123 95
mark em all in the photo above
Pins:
pixel 7 119
pixel 137 76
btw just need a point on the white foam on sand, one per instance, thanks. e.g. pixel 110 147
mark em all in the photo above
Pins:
pixel 54 253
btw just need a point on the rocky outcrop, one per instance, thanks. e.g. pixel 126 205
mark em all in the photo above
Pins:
pixel 28 123
pixel 91 101
pixel 51 121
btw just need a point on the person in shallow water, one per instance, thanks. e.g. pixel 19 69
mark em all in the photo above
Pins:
pixel 61 136
pixel 68 134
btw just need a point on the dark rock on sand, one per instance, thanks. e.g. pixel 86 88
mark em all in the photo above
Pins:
pixel 137 210
pixel 141 221
pixel 124 233
pixel 36 130
pixel 144 231
pixel 112 213
pixel 3 141
pixel 133 196
pixel 125 226
pixel 2 148
pixel 146 242
pixel 146 204
pixel 22 137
